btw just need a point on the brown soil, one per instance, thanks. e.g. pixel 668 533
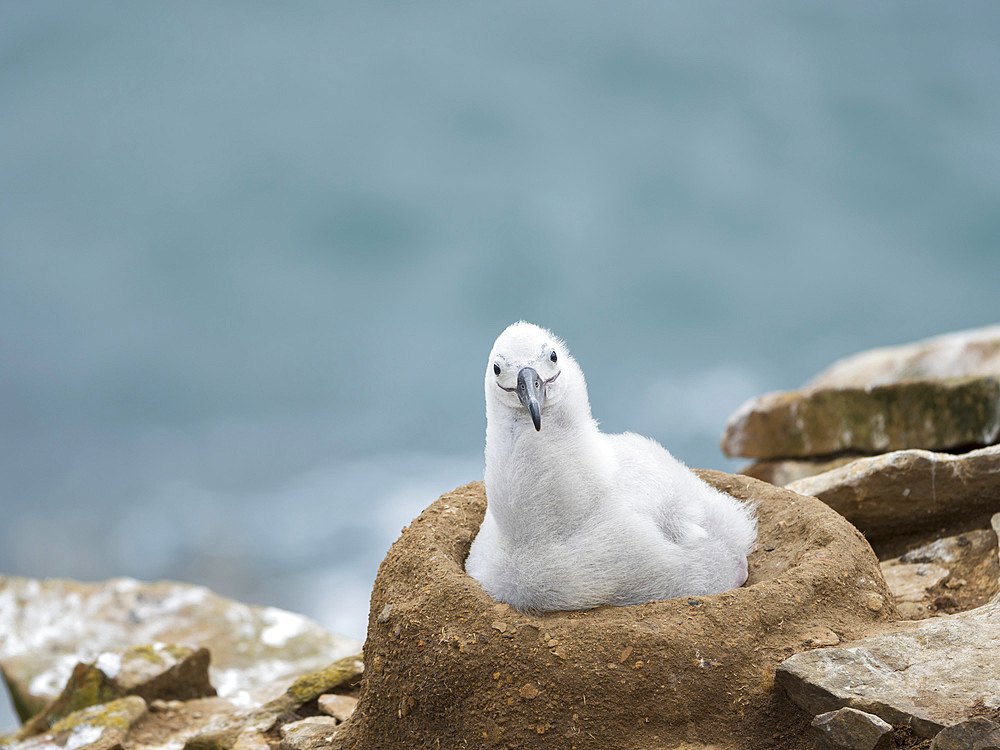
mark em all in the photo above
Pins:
pixel 448 667
pixel 168 719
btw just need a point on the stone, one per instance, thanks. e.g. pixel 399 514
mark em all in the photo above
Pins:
pixel 689 670
pixel 157 672
pixel 850 729
pixel 926 489
pixel 927 675
pixel 48 627
pixel 87 686
pixel 339 707
pixel 100 727
pixel 784 472
pixel 951 549
pixel 935 394
pixel 978 733
pixel 232 730
pixel 958 354
pixel 307 734
pixel 928 414
pixel 948 574
pixel 909 581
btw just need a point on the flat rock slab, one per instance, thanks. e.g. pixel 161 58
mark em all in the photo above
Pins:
pixel 48 627
pixel 445 663
pixel 930 414
pixel 936 394
pixel 930 675
pixel 913 490
pixel 909 582
pixel 785 471
pixel 959 354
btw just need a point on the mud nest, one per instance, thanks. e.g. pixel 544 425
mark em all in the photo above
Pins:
pixel 446 666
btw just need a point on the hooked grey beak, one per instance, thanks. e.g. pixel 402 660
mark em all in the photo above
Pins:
pixel 531 392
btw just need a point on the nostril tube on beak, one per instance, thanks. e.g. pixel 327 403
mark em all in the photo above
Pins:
pixel 531 394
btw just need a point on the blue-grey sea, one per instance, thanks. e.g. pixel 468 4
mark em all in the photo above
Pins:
pixel 253 255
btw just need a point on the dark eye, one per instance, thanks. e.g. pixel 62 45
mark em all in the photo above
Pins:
pixel 553 356
pixel 496 368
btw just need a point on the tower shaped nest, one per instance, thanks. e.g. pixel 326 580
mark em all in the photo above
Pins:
pixel 447 666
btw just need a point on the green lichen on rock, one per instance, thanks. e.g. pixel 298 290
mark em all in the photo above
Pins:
pixel 119 714
pixel 87 686
pixel 225 734
pixel 929 414
pixel 311 686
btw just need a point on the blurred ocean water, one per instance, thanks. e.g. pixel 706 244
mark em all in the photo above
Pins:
pixel 253 257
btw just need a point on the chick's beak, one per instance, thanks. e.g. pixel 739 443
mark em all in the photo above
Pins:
pixel 531 392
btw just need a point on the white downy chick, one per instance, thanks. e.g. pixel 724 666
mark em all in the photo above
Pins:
pixel 576 518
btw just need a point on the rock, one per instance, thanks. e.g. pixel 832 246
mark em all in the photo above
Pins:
pixel 101 727
pixel 935 394
pixel 307 734
pixel 923 586
pixel 924 488
pixel 158 672
pixel 951 549
pixel 927 675
pixel 232 730
pixel 690 670
pixel 339 707
pixel 978 733
pixel 973 352
pixel 87 686
pixel 850 729
pixel 784 472
pixel 49 626
pixel 909 581
pixel 929 414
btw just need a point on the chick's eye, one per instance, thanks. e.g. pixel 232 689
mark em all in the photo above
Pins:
pixel 553 356
pixel 496 369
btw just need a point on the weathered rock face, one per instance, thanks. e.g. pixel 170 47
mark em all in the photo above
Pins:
pixel 850 729
pixel 445 663
pixel 939 394
pixel 157 672
pixel 785 471
pixel 195 723
pixel 930 414
pixel 48 627
pixel 948 575
pixel 257 727
pixel 978 733
pixel 912 490
pixel 954 355
pixel 101 727
pixel 930 675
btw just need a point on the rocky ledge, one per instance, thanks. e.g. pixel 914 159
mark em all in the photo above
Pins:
pixel 902 442
pixel 887 637
pixel 126 664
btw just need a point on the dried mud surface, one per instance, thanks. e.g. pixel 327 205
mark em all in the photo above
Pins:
pixel 446 666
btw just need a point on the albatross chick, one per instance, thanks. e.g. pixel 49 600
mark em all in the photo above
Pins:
pixel 577 518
